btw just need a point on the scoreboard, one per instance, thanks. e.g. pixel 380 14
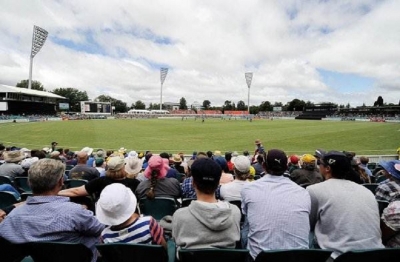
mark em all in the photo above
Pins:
pixel 89 107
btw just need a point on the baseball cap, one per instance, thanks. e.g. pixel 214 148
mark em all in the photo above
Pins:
pixel 242 164
pixel 276 160
pixel 308 159
pixel 206 170
pixel 116 204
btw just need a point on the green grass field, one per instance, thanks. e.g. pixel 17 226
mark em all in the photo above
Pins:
pixel 175 135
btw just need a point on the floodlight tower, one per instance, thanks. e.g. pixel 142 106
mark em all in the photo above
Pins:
pixel 249 77
pixel 38 38
pixel 163 75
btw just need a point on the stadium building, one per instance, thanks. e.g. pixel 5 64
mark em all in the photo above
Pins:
pixel 18 101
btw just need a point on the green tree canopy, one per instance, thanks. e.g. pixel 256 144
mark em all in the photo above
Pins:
pixel 120 107
pixel 182 104
pixel 36 85
pixel 139 105
pixel 265 106
pixel 295 105
pixel 73 95
pixel 206 104
pixel 241 106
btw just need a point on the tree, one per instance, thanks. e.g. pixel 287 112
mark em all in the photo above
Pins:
pixel 120 107
pixel 182 104
pixel 348 105
pixel 265 106
pixel 227 105
pixel 206 104
pixel 73 95
pixel 241 106
pixel 379 101
pixel 36 85
pixel 139 105
pixel 295 105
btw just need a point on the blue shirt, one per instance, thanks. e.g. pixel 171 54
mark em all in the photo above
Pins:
pixel 189 192
pixel 52 218
pixel 277 211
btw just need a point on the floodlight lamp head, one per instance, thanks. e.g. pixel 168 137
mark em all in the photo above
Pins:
pixel 38 39
pixel 249 77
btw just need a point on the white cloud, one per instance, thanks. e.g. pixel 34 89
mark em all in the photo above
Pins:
pixel 208 46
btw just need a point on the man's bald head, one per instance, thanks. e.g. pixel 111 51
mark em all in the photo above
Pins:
pixel 82 157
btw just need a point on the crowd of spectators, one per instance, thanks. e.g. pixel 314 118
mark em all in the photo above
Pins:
pixel 316 200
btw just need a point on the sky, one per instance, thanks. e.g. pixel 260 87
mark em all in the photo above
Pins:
pixel 345 51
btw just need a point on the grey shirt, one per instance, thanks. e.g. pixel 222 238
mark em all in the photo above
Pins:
pixel 344 216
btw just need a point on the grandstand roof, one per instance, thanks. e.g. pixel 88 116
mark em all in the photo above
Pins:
pixel 13 89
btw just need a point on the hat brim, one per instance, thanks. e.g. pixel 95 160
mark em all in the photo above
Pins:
pixel 163 172
pixel 389 167
pixel 135 170
pixel 13 159
pixel 113 218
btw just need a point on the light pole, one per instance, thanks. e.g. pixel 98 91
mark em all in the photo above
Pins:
pixel 38 38
pixel 249 77
pixel 163 75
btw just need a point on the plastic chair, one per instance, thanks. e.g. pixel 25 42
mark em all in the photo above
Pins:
pixel 70 183
pixel 380 178
pixel 25 195
pixel 238 203
pixel 6 180
pixel 371 166
pixel 59 251
pixel 371 187
pixel 382 204
pixel 381 254
pixel 22 184
pixel 12 252
pixel 69 167
pixel 186 201
pixel 213 254
pixel 294 255
pixel 158 207
pixel 180 177
pixel 7 199
pixel 125 252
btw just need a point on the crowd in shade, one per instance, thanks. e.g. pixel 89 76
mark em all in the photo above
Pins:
pixel 258 200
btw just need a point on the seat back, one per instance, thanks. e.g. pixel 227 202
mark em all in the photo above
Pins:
pixel 238 203
pixel 123 252
pixel 158 207
pixel 22 184
pixel 6 180
pixel 70 183
pixel 382 254
pixel 59 251
pixel 7 199
pixel 69 167
pixel 186 201
pixel 180 177
pixel 380 178
pixel 294 255
pixel 12 252
pixel 382 204
pixel 371 187
pixel 371 166
pixel 213 254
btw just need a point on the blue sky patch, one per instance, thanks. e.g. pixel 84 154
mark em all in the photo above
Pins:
pixel 343 82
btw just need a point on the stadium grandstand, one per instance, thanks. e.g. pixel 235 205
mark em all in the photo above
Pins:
pixel 19 101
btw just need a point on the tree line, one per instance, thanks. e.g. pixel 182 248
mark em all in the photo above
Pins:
pixel 75 96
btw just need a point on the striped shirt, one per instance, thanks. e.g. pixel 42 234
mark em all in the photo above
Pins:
pixel 52 218
pixel 144 230
pixel 388 190
pixel 277 211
